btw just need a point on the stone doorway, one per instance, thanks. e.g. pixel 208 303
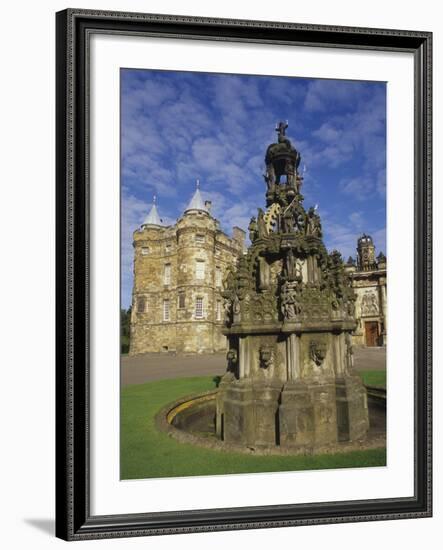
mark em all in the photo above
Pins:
pixel 371 333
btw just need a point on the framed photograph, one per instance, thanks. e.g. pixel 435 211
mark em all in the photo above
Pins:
pixel 243 274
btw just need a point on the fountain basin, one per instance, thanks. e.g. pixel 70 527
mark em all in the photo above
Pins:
pixel 191 419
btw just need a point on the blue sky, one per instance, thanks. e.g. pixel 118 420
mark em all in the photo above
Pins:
pixel 177 127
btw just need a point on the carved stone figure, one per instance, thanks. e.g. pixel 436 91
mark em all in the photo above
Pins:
pixel 236 310
pixel 313 224
pixel 349 353
pixel 271 217
pixel 227 305
pixel 232 358
pixel 290 264
pixel 290 302
pixel 253 229
pixel 369 305
pixel 261 224
pixel 317 351
pixel 288 221
pixel 270 176
pixel 264 274
pixel 266 356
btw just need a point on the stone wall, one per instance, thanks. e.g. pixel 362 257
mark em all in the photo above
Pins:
pixel 195 237
pixel 370 307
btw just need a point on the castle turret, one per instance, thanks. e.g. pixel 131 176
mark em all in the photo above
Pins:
pixel 197 204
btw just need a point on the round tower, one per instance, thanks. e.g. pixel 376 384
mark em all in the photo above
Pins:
pixel 196 231
pixel 154 266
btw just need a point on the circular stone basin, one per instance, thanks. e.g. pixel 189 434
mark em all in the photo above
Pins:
pixel 191 419
pixel 195 415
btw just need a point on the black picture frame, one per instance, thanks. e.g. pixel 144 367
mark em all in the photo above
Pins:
pixel 74 28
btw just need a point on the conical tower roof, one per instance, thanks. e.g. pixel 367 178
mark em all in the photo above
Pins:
pixel 153 218
pixel 197 202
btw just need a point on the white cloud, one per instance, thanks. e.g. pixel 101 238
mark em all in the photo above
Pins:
pixel 359 188
pixel 356 218
pixel 321 93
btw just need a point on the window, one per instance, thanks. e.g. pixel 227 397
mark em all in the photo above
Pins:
pixel 166 311
pixel 218 310
pixel 141 304
pixel 199 239
pixel 168 247
pixel 218 277
pixel 199 308
pixel 200 269
pixel 181 300
pixel 167 274
pixel 145 250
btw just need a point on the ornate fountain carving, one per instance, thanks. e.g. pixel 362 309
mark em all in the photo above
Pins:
pixel 289 313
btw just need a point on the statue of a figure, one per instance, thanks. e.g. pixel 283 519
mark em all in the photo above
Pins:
pixel 317 350
pixel 266 356
pixel 288 221
pixel 261 225
pixel 290 175
pixel 369 304
pixel 236 309
pixel 270 176
pixel 299 219
pixel 349 353
pixel 264 272
pixel 290 305
pixel 351 307
pixel 313 224
pixel 232 358
pixel 291 269
pixel 253 229
pixel 227 305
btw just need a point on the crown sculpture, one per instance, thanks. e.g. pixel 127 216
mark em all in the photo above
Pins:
pixel 289 314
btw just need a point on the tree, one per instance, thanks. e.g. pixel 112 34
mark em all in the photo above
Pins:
pixel 125 329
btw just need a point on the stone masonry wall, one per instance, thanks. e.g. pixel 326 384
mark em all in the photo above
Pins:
pixel 195 237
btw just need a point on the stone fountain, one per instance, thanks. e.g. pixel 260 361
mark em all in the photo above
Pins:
pixel 290 378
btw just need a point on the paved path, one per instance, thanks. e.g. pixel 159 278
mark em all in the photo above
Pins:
pixel 157 366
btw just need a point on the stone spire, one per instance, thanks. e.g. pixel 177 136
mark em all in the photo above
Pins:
pixel 153 218
pixel 197 202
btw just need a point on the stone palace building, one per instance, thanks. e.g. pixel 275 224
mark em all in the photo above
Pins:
pixel 368 276
pixel 178 280
pixel 179 271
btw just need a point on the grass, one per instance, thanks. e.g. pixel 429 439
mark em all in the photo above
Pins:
pixel 147 453
pixel 374 378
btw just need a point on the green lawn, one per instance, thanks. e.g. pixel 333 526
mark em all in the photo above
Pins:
pixel 146 452
pixel 374 378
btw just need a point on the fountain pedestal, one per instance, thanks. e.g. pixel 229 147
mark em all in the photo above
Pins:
pixel 289 317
